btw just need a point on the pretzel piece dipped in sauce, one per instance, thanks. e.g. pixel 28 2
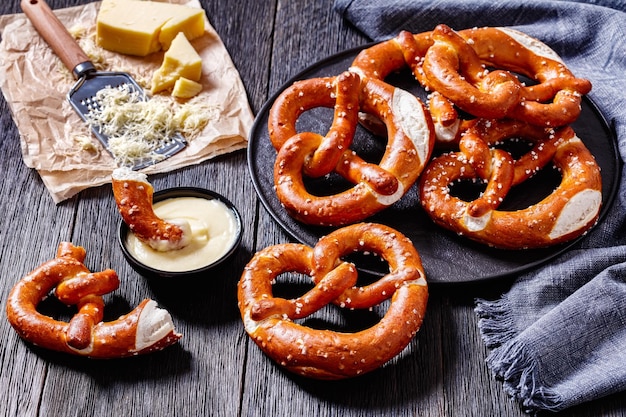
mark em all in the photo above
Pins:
pixel 133 196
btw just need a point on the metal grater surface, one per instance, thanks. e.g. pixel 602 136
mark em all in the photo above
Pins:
pixel 82 96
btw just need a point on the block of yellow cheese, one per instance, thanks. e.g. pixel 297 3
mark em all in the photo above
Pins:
pixel 137 27
pixel 185 88
pixel 181 60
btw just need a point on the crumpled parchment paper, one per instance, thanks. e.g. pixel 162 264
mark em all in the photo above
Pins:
pixel 54 139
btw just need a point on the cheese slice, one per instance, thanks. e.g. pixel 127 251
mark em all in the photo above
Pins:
pixel 137 27
pixel 181 60
pixel 186 88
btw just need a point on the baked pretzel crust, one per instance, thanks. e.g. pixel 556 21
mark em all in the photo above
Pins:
pixel 328 354
pixel 568 212
pixel 145 329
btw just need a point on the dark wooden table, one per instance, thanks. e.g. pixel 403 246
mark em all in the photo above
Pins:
pixel 216 370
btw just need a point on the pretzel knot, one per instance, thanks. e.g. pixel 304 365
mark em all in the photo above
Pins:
pixel 327 354
pixel 374 186
pixel 143 330
pixel 457 66
pixel 568 212
pixel 476 70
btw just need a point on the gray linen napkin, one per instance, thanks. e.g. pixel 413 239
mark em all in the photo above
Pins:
pixel 558 336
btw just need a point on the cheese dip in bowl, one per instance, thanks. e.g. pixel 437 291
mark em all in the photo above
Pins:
pixel 216 231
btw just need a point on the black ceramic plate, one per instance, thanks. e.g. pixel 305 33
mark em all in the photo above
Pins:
pixel 447 258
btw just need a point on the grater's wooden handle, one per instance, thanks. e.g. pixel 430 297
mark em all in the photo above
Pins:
pixel 54 33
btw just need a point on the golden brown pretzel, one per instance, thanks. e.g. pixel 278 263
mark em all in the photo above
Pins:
pixel 555 98
pixel 145 329
pixel 452 67
pixel 327 354
pixel 376 186
pixel 570 210
pixel 456 66
pixel 133 196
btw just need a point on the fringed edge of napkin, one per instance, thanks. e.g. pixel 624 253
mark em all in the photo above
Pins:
pixel 510 360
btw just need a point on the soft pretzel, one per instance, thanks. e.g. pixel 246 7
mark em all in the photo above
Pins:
pixel 327 354
pixel 456 66
pixel 376 186
pixel 453 68
pixel 570 210
pixel 133 196
pixel 145 329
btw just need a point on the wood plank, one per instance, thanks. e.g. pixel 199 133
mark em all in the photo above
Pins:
pixel 469 385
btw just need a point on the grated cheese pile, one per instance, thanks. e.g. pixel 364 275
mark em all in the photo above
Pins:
pixel 137 127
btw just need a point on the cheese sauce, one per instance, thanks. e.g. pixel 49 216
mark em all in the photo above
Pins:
pixel 213 227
